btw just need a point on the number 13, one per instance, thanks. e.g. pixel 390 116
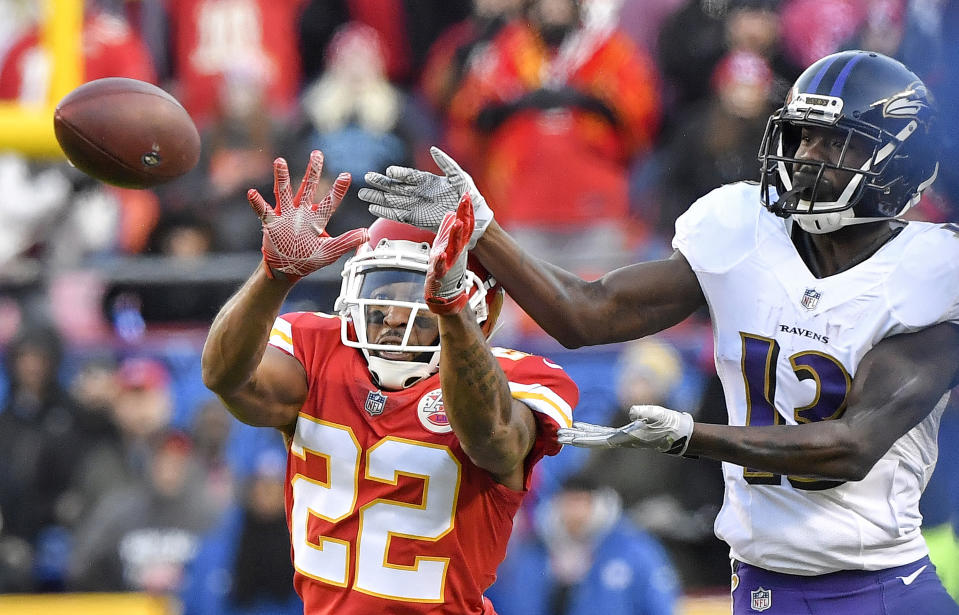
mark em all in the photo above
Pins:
pixel 760 358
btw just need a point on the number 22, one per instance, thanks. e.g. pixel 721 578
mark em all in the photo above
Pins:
pixel 760 358
pixel 327 559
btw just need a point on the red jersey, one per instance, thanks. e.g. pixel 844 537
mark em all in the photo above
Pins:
pixel 387 514
pixel 251 41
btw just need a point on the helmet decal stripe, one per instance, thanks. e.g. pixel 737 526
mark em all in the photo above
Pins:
pixel 859 95
pixel 844 74
pixel 814 84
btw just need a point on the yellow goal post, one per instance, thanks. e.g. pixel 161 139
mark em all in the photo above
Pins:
pixel 29 129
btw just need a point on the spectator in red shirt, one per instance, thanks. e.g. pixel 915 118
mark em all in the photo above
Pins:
pixel 561 93
pixel 211 39
pixel 111 48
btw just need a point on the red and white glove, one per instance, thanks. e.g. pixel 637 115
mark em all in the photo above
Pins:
pixel 295 242
pixel 446 273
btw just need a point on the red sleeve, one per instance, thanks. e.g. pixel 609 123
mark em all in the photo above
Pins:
pixel 306 336
pixel 549 392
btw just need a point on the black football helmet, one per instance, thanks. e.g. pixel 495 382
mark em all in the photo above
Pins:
pixel 866 94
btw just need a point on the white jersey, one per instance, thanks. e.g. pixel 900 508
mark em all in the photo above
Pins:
pixel 786 348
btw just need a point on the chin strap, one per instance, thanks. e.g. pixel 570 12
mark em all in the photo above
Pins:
pixel 789 198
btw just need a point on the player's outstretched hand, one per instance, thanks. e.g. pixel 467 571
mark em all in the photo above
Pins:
pixel 423 199
pixel 295 241
pixel 655 427
pixel 446 272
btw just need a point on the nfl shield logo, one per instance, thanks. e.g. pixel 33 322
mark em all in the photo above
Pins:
pixel 810 298
pixel 761 599
pixel 375 403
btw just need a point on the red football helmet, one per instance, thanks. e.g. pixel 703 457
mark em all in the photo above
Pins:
pixel 398 252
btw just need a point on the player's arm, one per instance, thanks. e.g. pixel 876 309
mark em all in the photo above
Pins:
pixel 495 430
pixel 626 304
pixel 259 384
pixel 898 383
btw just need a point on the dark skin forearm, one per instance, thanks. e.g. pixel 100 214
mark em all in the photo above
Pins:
pixel 808 450
pixel 495 430
pixel 237 339
pixel 898 383
pixel 260 386
pixel 625 304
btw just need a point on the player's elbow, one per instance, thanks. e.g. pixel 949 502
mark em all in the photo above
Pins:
pixel 842 452
pixel 858 461
pixel 574 336
pixel 852 471
pixel 212 376
pixel 499 452
pixel 216 378
pixel 571 342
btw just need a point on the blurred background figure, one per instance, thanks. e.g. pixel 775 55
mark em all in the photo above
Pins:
pixel 141 409
pixel 243 567
pixel 144 536
pixel 882 29
pixel 690 42
pixel 406 31
pixel 560 93
pixel 94 388
pixel 36 424
pixel 673 499
pixel 460 46
pixel 584 557
pixel 696 37
pixel 210 40
pixel 714 143
pixel 111 48
pixel 46 189
pixel 357 118
pixel 816 28
pixel 262 568
pixel 211 430
pixel 753 26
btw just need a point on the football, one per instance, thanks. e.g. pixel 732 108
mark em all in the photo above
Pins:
pixel 126 132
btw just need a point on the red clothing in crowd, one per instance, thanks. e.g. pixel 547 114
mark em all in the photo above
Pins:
pixel 111 48
pixel 541 157
pixel 252 41
pixel 813 29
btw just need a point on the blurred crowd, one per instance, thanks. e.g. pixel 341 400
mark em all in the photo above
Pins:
pixel 590 126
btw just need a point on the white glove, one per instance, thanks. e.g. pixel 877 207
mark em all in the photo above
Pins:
pixel 423 199
pixel 655 427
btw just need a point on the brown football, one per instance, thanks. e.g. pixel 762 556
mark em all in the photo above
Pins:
pixel 126 132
